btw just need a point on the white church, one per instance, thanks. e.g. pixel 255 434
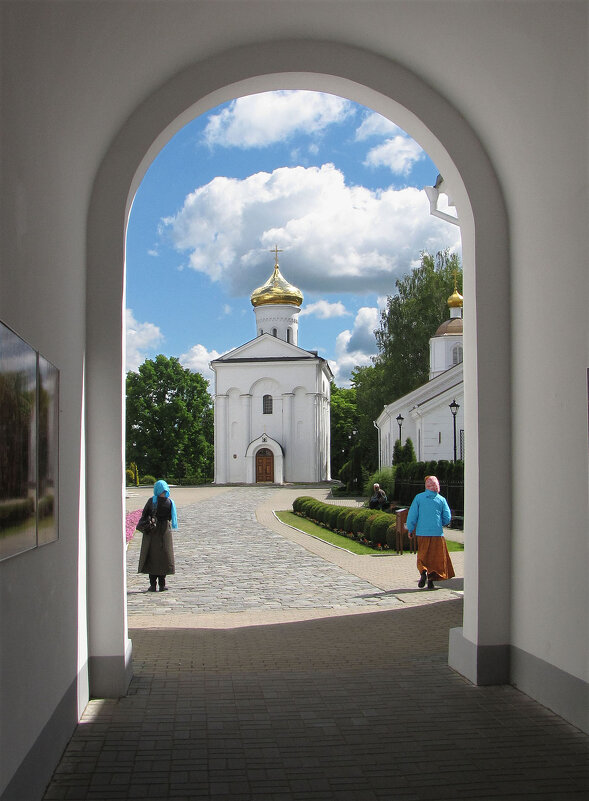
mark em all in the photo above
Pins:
pixel 272 398
pixel 432 415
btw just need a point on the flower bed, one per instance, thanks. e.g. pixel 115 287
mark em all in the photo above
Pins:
pixel 371 527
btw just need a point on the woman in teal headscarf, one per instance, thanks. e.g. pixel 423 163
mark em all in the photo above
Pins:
pixel 157 548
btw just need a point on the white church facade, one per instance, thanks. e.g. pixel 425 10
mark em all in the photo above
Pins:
pixel 432 415
pixel 272 397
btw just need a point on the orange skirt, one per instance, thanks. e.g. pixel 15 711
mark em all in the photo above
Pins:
pixel 433 556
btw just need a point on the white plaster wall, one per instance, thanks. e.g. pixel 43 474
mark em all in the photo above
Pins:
pixel 74 77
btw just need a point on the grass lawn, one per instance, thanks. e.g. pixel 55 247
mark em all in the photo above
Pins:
pixel 308 527
pixel 454 546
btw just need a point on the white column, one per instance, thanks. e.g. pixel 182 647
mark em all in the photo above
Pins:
pixel 315 442
pixel 287 434
pixel 221 442
pixel 246 416
pixel 327 427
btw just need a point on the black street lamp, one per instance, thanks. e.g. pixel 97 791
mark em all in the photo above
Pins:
pixel 454 409
pixel 400 419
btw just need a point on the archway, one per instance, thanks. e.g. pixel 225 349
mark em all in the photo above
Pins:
pixel 479 649
pixel 264 461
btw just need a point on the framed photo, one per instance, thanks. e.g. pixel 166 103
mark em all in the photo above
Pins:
pixel 18 444
pixel 29 437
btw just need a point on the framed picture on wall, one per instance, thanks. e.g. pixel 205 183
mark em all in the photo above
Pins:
pixel 18 444
pixel 29 438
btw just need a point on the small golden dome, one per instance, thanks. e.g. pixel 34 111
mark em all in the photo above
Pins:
pixel 455 301
pixel 276 290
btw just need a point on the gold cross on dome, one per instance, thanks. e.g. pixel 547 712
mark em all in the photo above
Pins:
pixel 455 274
pixel 276 251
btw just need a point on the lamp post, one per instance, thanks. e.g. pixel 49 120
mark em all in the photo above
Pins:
pixel 353 458
pixel 400 419
pixel 454 409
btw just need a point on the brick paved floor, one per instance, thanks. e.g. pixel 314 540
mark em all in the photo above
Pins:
pixel 349 701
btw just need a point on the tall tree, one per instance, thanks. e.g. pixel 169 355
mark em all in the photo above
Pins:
pixel 370 397
pixel 410 318
pixel 169 420
pixel 344 421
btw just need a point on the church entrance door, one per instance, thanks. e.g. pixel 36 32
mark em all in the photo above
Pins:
pixel 264 465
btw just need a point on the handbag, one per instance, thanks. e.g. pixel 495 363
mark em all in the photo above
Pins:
pixel 147 523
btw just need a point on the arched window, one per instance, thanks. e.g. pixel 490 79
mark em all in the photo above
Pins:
pixel 456 354
pixel 288 335
pixel 267 404
pixel 274 332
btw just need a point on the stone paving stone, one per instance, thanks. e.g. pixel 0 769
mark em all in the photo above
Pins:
pixel 355 701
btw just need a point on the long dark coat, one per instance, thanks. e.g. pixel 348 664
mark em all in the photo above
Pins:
pixel 157 549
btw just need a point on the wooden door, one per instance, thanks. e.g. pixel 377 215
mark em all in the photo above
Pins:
pixel 264 465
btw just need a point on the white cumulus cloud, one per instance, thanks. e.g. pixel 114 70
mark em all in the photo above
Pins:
pixel 398 154
pixel 262 119
pixel 324 310
pixel 197 359
pixel 375 124
pixel 334 237
pixel 355 348
pixel 141 339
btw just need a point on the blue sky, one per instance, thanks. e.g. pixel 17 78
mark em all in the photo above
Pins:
pixel 337 187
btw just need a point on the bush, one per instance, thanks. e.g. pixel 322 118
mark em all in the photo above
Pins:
pixel 148 479
pixel 377 533
pixel 130 477
pixel 341 518
pixel 409 451
pixel 349 522
pixel 391 537
pixel 362 520
pixel 333 517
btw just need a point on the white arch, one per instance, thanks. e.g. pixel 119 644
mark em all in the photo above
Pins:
pixel 264 441
pixel 480 649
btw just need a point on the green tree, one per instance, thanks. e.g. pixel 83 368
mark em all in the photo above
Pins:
pixel 344 421
pixel 370 398
pixel 410 319
pixel 169 420
pixel 408 452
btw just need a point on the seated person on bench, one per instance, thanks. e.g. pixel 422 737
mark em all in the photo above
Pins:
pixel 379 499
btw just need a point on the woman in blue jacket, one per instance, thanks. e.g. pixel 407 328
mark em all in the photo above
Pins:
pixel 427 515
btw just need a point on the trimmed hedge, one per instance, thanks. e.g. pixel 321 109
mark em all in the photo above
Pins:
pixel 369 526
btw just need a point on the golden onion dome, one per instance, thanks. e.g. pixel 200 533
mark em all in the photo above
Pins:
pixel 276 290
pixel 455 301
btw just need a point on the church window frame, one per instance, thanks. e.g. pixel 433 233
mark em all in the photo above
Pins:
pixel 267 404
pixel 274 332
pixel 457 354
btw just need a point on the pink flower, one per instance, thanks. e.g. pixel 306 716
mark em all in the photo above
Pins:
pixel 131 520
